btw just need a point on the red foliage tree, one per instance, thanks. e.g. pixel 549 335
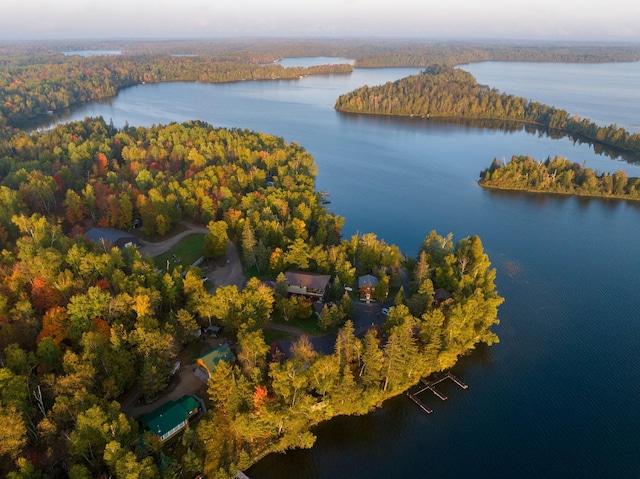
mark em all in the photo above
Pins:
pixel 55 324
pixel 43 295
pixel 259 397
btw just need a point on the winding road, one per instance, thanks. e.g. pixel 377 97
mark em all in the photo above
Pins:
pixel 184 382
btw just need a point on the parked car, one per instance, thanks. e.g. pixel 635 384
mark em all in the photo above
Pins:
pixel 385 311
pixel 213 331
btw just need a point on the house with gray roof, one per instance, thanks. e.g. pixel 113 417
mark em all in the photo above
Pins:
pixel 113 237
pixel 307 284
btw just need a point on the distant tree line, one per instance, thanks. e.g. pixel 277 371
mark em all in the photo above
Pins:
pixel 35 78
pixel 29 89
pixel 422 55
pixel 445 92
pixel 369 53
pixel 558 175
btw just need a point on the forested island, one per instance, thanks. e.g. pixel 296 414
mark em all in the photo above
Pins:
pixel 558 175
pixel 82 322
pixel 448 93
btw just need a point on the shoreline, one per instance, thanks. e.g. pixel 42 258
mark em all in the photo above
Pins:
pixel 560 193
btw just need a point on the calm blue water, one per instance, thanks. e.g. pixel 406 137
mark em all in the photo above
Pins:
pixel 586 90
pixel 92 53
pixel 558 396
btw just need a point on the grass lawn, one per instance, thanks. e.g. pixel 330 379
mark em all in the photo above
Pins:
pixel 271 335
pixel 309 325
pixel 155 238
pixel 186 252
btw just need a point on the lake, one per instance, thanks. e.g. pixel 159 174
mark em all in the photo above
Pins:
pixel 92 53
pixel 558 396
pixel 576 87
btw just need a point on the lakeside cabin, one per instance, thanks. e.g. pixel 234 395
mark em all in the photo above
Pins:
pixel 311 285
pixel 367 286
pixel 171 418
pixel 210 360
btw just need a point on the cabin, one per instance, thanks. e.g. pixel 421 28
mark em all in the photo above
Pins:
pixel 210 360
pixel 367 286
pixel 441 295
pixel 171 417
pixel 113 237
pixel 311 285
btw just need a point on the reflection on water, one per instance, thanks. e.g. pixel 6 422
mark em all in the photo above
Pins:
pixel 557 397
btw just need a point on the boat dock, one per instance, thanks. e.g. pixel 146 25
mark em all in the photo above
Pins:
pixel 424 407
pixel 430 386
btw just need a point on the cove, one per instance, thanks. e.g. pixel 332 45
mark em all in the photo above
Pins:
pixel 557 397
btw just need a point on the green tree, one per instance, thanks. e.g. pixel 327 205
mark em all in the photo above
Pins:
pixel 372 360
pixel 298 254
pixel 248 246
pixel 13 432
pixel 215 243
pixel 252 352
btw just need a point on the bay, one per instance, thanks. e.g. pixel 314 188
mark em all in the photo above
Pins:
pixel 557 397
pixel 579 88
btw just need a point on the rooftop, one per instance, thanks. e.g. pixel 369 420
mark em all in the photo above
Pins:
pixel 109 234
pixel 307 280
pixel 213 357
pixel 171 414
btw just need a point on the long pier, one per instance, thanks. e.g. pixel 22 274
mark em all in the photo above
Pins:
pixel 430 385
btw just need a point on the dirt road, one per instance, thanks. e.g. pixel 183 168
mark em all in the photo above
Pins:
pixel 226 272
pixel 156 249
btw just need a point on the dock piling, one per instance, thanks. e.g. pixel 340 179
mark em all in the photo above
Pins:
pixel 430 385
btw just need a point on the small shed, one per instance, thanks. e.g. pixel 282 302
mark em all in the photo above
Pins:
pixel 171 417
pixel 113 237
pixel 441 295
pixel 210 360
pixel 367 285
pixel 307 284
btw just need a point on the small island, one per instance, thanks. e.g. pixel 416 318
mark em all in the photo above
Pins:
pixel 560 176
pixel 444 92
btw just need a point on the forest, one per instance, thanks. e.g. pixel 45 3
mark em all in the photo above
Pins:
pixel 442 92
pixel 81 322
pixel 558 175
pixel 38 78
pixel 34 86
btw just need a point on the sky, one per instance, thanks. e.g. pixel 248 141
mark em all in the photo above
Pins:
pixel 581 20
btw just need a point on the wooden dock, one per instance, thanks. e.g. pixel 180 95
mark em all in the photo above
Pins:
pixel 457 381
pixel 424 407
pixel 430 386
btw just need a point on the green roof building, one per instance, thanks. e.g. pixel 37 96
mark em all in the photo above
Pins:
pixel 210 360
pixel 171 417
